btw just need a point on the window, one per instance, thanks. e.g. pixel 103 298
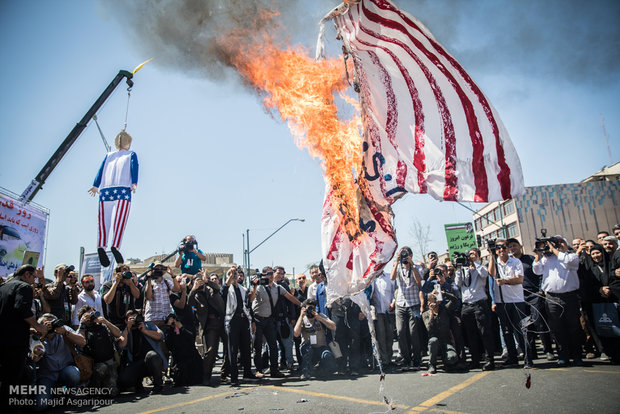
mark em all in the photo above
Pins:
pixel 512 230
pixel 509 207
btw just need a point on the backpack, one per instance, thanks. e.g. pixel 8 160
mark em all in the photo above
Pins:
pixel 99 343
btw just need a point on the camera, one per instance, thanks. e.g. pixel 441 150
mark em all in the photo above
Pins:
pixel 541 242
pixel 491 245
pixel 57 323
pixel 404 255
pixel 127 275
pixel 310 313
pixel 94 315
pixel 187 246
pixel 138 320
pixel 438 271
pixel 262 280
pixel 69 269
pixel 461 259
pixel 38 285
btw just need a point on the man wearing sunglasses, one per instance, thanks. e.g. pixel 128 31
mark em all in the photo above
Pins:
pixel 509 303
pixel 87 297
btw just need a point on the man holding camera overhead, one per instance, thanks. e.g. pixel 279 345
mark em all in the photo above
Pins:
pixel 190 257
pixel 560 283
pixel 63 293
pixel 507 285
pixel 119 295
pixel 408 309
pixel 471 279
pixel 264 296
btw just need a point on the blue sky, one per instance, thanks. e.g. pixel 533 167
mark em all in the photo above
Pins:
pixel 213 162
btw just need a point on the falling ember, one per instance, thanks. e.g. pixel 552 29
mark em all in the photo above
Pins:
pixel 302 90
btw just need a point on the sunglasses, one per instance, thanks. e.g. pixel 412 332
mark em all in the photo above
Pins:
pixel 301 278
pixel 501 247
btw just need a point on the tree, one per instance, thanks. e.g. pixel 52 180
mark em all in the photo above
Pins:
pixel 421 238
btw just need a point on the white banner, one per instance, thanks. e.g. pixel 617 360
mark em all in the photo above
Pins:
pixel 22 234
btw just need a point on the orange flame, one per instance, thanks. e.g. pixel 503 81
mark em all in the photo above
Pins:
pixel 302 90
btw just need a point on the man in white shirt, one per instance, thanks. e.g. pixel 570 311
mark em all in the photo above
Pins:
pixel 89 296
pixel 560 283
pixel 476 312
pixel 382 302
pixel 507 285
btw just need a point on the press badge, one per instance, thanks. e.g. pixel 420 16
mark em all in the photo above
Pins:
pixel 312 339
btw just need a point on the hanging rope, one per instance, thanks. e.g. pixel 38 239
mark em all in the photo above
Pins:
pixel 127 109
pixel 105 142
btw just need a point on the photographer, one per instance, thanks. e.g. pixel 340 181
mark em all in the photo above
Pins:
pixel 159 285
pixel 119 295
pixel 101 336
pixel 143 356
pixel 534 300
pixel 87 297
pixel 237 325
pixel 63 293
pixel 471 279
pixel 190 257
pixel 437 322
pixel 56 364
pixel 433 260
pixel 17 318
pixel 179 301
pixel 39 304
pixel 408 309
pixel 186 359
pixel 311 327
pixel 560 283
pixel 285 320
pixel 264 296
pixel 205 297
pixel 507 284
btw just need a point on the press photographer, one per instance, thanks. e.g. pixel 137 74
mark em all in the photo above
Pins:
pixel 190 257
pixel 63 293
pixel 159 285
pixel 560 283
pixel 186 359
pixel 264 296
pixel 142 355
pixel 101 337
pixel 408 309
pixel 507 285
pixel 311 327
pixel 471 279
pixel 119 295
pixel 56 366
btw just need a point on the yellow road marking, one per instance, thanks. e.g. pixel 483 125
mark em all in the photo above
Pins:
pixel 333 397
pixel 439 410
pixel 603 372
pixel 443 395
pixel 210 397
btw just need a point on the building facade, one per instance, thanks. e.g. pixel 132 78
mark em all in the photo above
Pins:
pixel 571 210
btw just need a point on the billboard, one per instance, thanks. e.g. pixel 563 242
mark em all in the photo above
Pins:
pixel 461 237
pixel 91 266
pixel 22 233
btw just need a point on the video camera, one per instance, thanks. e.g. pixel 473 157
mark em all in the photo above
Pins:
pixel 69 269
pixel 94 315
pixel 541 242
pixel 461 259
pixel 57 323
pixel 188 246
pixel 491 245
pixel 263 280
pixel 310 312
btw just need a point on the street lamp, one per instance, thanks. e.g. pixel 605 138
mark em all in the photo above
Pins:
pixel 247 250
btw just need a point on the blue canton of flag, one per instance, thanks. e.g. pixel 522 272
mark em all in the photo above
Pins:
pixel 115 193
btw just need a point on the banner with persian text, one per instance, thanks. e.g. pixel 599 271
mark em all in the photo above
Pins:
pixel 461 237
pixel 22 234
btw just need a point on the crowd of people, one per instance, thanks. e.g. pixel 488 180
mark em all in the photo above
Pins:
pixel 510 310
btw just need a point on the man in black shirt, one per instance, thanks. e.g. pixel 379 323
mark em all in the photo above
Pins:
pixel 534 300
pixel 181 343
pixel 101 336
pixel 119 296
pixel 16 316
pixel 179 302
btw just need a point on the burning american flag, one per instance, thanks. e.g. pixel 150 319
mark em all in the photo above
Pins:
pixel 427 128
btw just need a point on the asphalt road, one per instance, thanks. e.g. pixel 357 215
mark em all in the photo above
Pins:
pixel 594 388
